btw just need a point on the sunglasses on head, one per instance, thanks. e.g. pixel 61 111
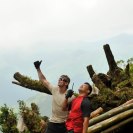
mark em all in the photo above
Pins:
pixel 62 79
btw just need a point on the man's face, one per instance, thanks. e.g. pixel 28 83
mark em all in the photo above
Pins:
pixel 84 89
pixel 62 82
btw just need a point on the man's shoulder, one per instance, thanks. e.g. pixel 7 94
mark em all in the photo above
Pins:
pixel 53 88
pixel 86 107
pixel 86 100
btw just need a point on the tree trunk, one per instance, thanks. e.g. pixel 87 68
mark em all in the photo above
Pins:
pixel 127 70
pixel 30 84
pixel 110 58
pixel 90 71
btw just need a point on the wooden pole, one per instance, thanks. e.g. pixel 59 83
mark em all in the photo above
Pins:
pixel 110 58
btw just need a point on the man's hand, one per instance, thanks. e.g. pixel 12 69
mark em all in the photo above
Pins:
pixel 69 94
pixel 37 64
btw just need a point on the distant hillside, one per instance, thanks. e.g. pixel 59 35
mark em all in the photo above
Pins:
pixel 43 101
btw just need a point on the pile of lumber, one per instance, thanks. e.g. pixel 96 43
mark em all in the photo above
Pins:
pixel 112 120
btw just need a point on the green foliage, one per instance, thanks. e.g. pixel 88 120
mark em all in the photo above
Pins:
pixel 121 91
pixel 121 63
pixel 45 118
pixel 124 94
pixel 33 121
pixel 31 117
pixel 130 61
pixel 8 120
pixel 131 70
pixel 125 83
pixel 104 100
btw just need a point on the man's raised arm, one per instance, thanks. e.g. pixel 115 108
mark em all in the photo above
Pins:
pixel 42 78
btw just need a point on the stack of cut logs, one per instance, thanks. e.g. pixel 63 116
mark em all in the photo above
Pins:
pixel 112 120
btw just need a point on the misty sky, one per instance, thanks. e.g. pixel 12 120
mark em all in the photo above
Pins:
pixel 67 35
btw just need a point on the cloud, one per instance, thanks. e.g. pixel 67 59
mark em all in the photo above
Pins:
pixel 25 22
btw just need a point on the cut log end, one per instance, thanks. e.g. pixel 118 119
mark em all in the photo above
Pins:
pixel 90 71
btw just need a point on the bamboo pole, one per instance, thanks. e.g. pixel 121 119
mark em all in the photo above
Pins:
pixel 119 125
pixel 111 113
pixel 109 122
pixel 96 112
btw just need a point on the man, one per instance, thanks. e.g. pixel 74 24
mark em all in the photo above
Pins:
pixel 78 118
pixel 57 120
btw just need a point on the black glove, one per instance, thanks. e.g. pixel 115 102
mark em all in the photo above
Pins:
pixel 37 64
pixel 69 94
